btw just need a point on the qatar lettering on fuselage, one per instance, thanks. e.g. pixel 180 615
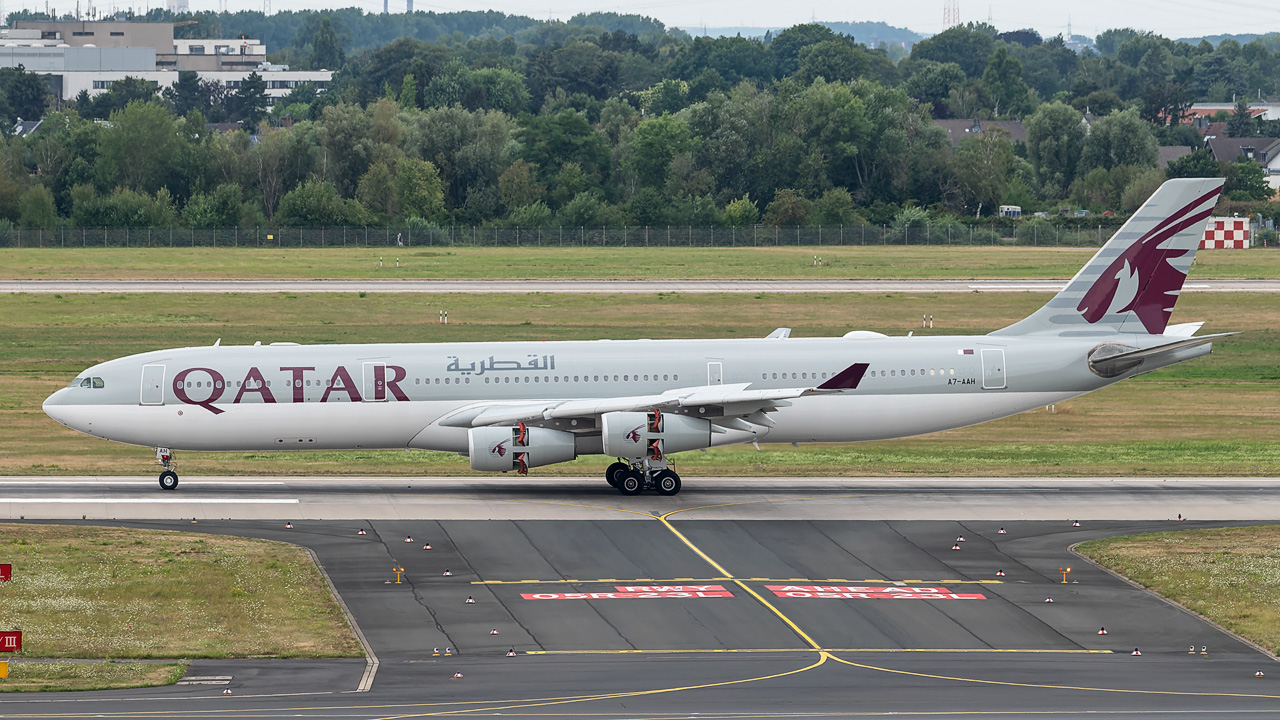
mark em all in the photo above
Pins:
pixel 211 386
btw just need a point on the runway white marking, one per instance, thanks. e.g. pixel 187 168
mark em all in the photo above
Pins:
pixel 112 483
pixel 153 501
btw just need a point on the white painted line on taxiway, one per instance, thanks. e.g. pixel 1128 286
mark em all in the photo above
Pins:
pixel 152 501
pixel 1015 287
pixel 101 483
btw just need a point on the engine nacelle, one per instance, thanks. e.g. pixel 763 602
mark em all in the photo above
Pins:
pixel 652 434
pixel 501 449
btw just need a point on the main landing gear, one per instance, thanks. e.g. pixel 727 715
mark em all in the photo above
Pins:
pixel 633 478
pixel 168 478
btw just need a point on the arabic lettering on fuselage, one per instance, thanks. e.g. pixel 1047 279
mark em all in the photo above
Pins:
pixel 535 363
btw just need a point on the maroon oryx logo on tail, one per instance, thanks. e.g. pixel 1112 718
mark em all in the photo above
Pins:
pixel 1142 279
pixel 634 435
pixel 500 449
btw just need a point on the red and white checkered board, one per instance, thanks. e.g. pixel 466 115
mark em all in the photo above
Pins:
pixel 1225 233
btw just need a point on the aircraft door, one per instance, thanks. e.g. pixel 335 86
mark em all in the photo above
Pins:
pixel 152 384
pixel 375 382
pixel 715 373
pixel 993 369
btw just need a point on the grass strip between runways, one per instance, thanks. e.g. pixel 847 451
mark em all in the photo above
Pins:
pixel 1229 575
pixel 55 676
pixel 91 592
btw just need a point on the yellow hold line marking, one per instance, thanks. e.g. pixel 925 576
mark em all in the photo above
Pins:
pixel 1049 687
pixel 609 696
pixel 821 650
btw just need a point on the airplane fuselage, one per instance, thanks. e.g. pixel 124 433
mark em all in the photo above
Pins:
pixel 278 397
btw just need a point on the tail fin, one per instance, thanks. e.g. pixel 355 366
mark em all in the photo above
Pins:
pixel 1131 284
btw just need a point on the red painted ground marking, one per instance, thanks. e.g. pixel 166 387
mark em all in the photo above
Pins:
pixel 865 592
pixel 10 641
pixel 639 592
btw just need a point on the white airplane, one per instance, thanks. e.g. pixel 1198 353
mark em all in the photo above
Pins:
pixel 511 406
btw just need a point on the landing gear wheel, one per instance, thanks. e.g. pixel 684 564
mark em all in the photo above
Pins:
pixel 631 482
pixel 614 472
pixel 169 480
pixel 667 482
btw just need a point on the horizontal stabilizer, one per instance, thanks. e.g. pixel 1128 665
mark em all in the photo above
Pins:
pixel 1112 360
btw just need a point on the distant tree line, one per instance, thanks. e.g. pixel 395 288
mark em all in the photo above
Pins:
pixel 615 120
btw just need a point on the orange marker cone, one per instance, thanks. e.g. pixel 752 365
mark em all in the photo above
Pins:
pixel 427 546
pixel 956 546
pixel 511 652
pixel 1000 573
pixel 1136 652
pixel 408 538
pixel 960 539
pixel 1048 599
pixel 227 691
pixel 1000 531
pixel 1075 523
pixel 447 572
pixel 493 631
pixel 362 532
pixel 457 675
pixel 471 600
pixel 1102 631
pixel 1258 674
pixel 288 526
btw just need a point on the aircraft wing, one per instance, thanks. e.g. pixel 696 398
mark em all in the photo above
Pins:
pixel 712 401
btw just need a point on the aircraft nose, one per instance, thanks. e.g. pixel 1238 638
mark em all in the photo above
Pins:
pixel 55 406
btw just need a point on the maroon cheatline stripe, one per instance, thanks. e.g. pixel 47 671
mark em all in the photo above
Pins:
pixel 846 379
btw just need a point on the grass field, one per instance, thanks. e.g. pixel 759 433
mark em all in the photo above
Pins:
pixel 1229 575
pixel 52 677
pixel 90 592
pixel 1213 416
pixel 848 262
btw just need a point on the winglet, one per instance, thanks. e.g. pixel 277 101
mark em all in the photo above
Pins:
pixel 846 379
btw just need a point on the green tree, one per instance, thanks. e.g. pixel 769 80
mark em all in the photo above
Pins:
pixel 420 189
pixel 1247 182
pixel 982 167
pixel 326 53
pixel 24 95
pixel 249 103
pixel 1196 164
pixel 965 45
pixel 1242 123
pixel 550 141
pixel 834 209
pixel 377 192
pixel 187 94
pixel 123 92
pixel 1141 187
pixel 835 60
pixel 788 208
pixel 1003 79
pixel 409 91
pixel 36 208
pixel 1055 139
pixel 138 150
pixel 741 212
pixel 788 44
pixel 655 142
pixel 218 209
pixel 518 185
pixel 1120 138
pixel 316 203
pixel 932 82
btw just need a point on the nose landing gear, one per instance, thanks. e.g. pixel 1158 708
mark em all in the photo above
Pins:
pixel 168 478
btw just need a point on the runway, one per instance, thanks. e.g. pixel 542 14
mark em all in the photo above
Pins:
pixel 589 498
pixel 737 598
pixel 585 286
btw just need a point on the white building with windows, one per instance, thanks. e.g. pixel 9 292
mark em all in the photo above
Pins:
pixel 91 56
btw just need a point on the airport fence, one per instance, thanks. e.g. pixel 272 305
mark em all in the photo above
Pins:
pixel 1029 234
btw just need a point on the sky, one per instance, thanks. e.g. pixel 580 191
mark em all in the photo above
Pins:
pixel 1171 18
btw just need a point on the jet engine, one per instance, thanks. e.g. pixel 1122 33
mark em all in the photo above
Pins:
pixel 652 434
pixel 501 449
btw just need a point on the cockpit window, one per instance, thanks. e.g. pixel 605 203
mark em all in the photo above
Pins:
pixel 86 383
pixel 76 382
pixel 97 383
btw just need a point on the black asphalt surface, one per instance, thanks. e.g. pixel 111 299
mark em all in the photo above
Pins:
pixel 754 654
